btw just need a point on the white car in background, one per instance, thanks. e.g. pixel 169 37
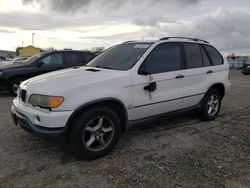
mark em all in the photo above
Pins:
pixel 129 84
pixel 18 59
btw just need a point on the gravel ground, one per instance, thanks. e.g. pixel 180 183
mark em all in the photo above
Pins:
pixel 180 152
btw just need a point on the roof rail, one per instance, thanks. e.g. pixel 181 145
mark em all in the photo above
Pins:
pixel 188 38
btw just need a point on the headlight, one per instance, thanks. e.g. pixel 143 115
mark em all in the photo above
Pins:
pixel 45 101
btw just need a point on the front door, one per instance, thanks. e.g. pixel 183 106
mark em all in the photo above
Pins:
pixel 158 84
pixel 50 63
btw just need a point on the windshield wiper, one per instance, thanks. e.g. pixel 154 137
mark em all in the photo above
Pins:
pixel 104 67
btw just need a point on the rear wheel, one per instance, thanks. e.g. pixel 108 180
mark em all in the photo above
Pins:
pixel 95 133
pixel 211 105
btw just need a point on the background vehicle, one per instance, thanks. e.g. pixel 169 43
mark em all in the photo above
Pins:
pixel 246 68
pixel 19 59
pixel 2 58
pixel 12 75
pixel 129 84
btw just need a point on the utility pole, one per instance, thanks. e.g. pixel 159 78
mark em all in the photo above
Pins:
pixel 33 39
pixel 22 43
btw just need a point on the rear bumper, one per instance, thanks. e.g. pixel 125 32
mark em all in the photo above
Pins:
pixel 55 134
pixel 227 87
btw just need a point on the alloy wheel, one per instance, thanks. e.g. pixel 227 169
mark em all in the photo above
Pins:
pixel 98 133
pixel 213 105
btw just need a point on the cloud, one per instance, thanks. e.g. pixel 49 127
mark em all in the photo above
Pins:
pixel 74 5
pixel 6 31
pixel 228 30
pixel 30 21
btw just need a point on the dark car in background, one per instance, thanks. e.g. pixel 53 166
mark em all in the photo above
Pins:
pixel 2 58
pixel 12 75
pixel 246 68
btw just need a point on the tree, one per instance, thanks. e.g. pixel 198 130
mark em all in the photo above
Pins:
pixel 99 49
pixel 231 56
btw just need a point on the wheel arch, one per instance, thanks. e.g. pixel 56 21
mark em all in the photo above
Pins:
pixel 113 103
pixel 220 87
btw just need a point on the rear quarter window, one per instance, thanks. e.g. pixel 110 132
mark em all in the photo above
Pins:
pixel 214 55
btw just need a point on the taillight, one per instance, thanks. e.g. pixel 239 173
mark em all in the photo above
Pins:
pixel 229 75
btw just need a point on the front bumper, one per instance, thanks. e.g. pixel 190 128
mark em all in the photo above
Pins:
pixel 55 134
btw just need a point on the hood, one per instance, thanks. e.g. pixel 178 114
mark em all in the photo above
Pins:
pixel 58 81
pixel 11 66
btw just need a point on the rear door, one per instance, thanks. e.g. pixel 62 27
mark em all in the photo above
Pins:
pixel 71 59
pixel 85 57
pixel 198 74
pixel 51 62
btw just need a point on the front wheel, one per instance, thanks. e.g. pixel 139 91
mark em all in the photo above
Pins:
pixel 211 105
pixel 14 85
pixel 95 132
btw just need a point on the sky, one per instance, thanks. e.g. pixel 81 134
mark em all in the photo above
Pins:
pixel 84 24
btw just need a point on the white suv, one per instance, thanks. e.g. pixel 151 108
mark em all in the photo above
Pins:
pixel 129 84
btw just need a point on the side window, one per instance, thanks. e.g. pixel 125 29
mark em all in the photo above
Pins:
pixel 53 59
pixel 85 58
pixel 206 60
pixel 71 58
pixel 193 55
pixel 164 58
pixel 215 56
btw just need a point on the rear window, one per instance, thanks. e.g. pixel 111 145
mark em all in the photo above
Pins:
pixel 214 54
pixel 193 55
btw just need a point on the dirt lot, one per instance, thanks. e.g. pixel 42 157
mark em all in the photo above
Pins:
pixel 181 152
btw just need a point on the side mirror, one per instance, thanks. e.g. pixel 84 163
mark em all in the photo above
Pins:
pixel 39 64
pixel 143 71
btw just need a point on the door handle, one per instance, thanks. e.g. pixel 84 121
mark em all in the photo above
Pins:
pixel 151 87
pixel 179 76
pixel 209 71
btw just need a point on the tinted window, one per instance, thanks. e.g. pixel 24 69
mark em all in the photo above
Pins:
pixel 193 55
pixel 53 59
pixel 206 61
pixel 120 57
pixel 85 57
pixel 33 58
pixel 88 57
pixel 72 58
pixel 215 56
pixel 164 58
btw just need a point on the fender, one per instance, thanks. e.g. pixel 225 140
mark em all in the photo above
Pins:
pixel 220 85
pixel 92 103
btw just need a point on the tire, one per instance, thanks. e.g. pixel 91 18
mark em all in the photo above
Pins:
pixel 210 108
pixel 95 132
pixel 14 85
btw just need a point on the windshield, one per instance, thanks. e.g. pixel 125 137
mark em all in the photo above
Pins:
pixel 120 57
pixel 33 58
